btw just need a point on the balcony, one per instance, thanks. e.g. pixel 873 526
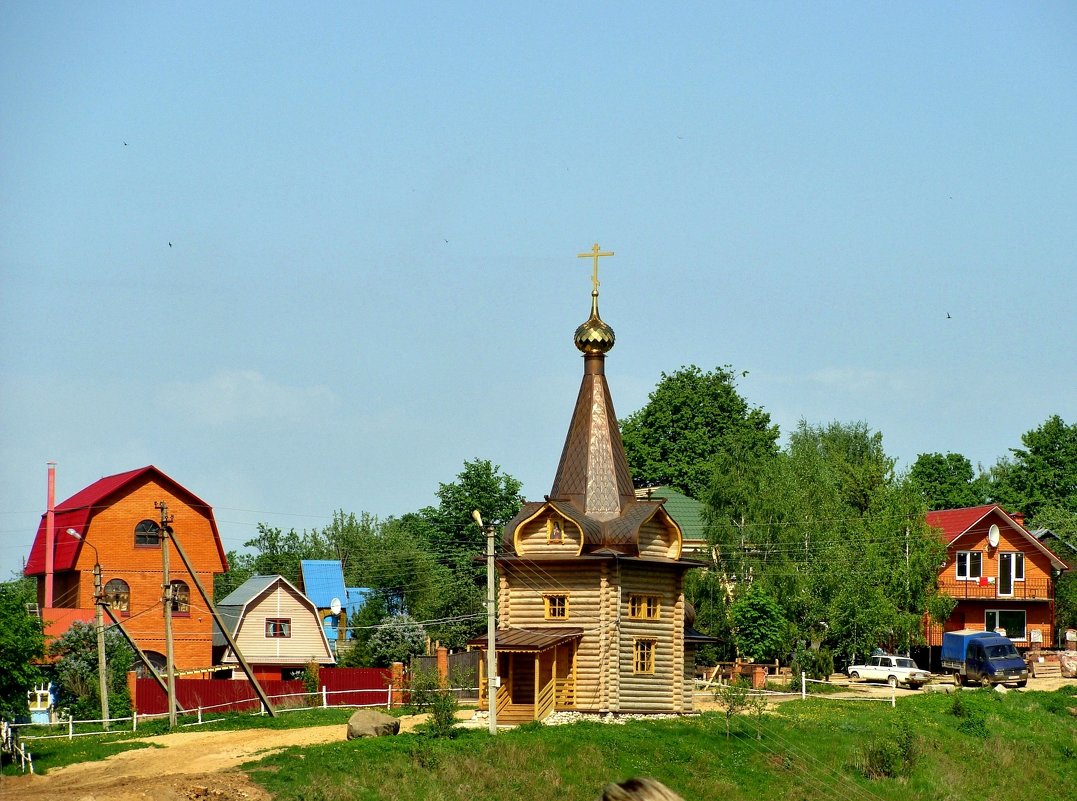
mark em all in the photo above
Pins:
pixel 989 589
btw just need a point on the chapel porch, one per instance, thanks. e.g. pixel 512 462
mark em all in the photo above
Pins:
pixel 537 668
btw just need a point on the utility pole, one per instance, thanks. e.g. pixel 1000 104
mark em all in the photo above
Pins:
pixel 99 624
pixel 492 681
pixel 170 662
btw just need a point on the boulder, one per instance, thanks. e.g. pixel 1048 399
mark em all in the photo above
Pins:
pixel 1001 689
pixel 945 689
pixel 371 723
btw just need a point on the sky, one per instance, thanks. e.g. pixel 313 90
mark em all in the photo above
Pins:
pixel 309 257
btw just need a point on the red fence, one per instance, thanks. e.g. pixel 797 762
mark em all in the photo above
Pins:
pixel 343 687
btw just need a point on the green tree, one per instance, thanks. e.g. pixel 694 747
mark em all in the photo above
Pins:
pixel 75 653
pixel 759 626
pixel 947 481
pixel 832 535
pixel 480 485
pixel 1041 475
pixel 22 646
pixel 691 418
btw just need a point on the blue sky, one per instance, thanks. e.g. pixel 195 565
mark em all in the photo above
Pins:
pixel 374 211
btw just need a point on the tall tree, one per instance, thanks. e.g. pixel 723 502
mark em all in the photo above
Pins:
pixel 947 481
pixel 22 645
pixel 691 418
pixel 829 532
pixel 1043 473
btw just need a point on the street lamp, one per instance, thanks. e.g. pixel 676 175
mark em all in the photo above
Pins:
pixel 98 599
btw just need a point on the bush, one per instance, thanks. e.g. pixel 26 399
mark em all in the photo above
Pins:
pixel 890 757
pixel 817 665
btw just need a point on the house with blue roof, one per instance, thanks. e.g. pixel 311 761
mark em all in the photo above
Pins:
pixel 322 581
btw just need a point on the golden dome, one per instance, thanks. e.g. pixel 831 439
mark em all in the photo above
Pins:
pixel 594 336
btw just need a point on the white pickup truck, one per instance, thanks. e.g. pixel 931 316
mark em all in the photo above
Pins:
pixel 894 670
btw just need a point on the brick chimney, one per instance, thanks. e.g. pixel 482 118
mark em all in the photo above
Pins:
pixel 1018 518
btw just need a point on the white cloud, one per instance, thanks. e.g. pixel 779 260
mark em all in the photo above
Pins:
pixel 247 395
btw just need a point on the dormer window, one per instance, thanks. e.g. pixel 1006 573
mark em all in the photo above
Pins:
pixel 147 534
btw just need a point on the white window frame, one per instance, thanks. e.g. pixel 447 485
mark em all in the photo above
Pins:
pixel 968 565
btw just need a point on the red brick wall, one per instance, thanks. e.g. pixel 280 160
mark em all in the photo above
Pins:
pixel 112 532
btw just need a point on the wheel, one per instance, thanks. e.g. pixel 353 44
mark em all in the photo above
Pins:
pixel 957 679
pixel 892 681
pixel 985 682
pixel 854 675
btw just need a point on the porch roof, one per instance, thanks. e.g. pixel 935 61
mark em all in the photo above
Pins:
pixel 529 640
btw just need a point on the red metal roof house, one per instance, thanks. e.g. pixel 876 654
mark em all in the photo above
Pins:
pixel 116 516
pixel 1001 576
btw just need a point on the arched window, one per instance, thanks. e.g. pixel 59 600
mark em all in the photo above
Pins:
pixel 181 598
pixel 147 533
pixel 156 659
pixel 118 595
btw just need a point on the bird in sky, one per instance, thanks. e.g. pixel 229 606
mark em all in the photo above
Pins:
pixel 170 245
pixel 948 315
pixel 125 144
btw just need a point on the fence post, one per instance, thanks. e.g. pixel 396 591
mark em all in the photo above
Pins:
pixel 325 698
pixel 70 727
pixel 803 685
pixel 199 714
pixel 893 698
pixel 134 721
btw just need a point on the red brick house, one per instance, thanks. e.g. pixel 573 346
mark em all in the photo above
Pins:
pixel 1001 576
pixel 116 516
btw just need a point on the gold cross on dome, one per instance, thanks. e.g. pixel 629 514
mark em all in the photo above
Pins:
pixel 594 253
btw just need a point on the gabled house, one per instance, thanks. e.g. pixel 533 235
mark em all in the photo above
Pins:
pixel 591 607
pixel 1001 576
pixel 113 521
pixel 276 627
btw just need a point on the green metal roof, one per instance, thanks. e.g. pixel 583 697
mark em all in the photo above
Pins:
pixel 688 512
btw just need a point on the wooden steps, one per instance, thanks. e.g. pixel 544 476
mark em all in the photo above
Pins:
pixel 1047 670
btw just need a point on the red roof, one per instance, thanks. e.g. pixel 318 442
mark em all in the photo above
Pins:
pixel 77 511
pixel 955 522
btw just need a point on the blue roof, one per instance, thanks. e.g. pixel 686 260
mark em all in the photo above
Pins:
pixel 323 580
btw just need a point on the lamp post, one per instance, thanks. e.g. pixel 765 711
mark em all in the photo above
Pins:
pixel 98 601
pixel 492 682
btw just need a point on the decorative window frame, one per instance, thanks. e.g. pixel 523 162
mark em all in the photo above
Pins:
pixel 144 530
pixel 555 527
pixel 643 651
pixel 968 575
pixel 278 628
pixel 644 606
pixel 555 605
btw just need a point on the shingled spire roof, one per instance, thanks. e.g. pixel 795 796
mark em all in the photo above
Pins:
pixel 593 474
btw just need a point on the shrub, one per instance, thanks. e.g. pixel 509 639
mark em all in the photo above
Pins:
pixel 817 665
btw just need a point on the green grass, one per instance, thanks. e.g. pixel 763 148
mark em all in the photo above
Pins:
pixel 815 749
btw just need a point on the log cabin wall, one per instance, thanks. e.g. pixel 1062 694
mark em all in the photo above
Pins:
pixel 657 541
pixel 523 605
pixel 661 690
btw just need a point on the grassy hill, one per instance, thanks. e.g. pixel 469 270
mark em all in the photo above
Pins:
pixel 971 745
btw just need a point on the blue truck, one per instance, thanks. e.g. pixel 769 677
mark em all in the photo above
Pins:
pixel 982 657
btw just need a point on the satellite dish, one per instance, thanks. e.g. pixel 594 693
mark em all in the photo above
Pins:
pixel 992 536
pixel 334 606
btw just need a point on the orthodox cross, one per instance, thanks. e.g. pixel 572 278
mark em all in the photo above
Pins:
pixel 594 253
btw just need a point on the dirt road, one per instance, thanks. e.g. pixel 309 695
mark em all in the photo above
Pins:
pixel 202 766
